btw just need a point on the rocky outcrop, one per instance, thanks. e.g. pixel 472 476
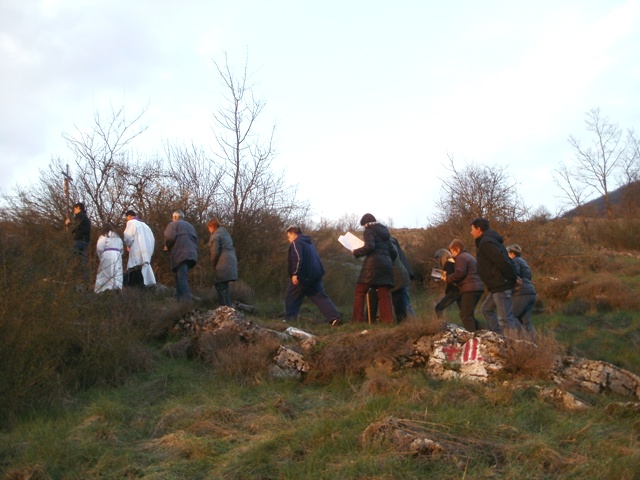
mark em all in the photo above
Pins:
pixel 452 352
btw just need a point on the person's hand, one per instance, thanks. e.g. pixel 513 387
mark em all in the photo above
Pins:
pixel 518 281
pixel 294 280
pixel 166 249
pixel 67 221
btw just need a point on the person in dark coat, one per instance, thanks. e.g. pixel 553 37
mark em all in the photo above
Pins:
pixel 224 260
pixel 377 269
pixel 306 272
pixel 499 276
pixel 81 235
pixel 524 295
pixel 451 290
pixel 400 298
pixel 465 275
pixel 181 239
pixel 401 281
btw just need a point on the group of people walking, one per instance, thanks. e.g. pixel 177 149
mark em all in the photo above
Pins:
pixel 502 270
pixel 382 285
pixel 383 282
pixel 180 240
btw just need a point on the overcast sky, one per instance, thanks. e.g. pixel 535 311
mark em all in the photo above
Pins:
pixel 369 97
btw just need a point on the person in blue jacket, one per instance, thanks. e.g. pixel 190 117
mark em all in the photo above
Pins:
pixel 524 295
pixel 306 272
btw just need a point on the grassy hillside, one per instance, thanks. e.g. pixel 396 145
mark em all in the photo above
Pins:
pixel 185 419
pixel 86 392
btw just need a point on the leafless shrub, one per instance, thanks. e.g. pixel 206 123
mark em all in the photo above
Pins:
pixel 560 288
pixel 231 354
pixel 532 359
pixel 354 353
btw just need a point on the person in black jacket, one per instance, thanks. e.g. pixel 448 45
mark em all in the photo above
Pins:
pixel 81 234
pixel 499 276
pixel 306 272
pixel 377 269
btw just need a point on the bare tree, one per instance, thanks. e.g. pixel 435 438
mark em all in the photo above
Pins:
pixel 568 181
pixel 630 163
pixel 256 201
pixel 43 201
pixel 597 162
pixel 197 179
pixel 103 167
pixel 478 191
pixel 250 183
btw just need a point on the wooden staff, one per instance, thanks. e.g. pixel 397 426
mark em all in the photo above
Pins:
pixel 67 179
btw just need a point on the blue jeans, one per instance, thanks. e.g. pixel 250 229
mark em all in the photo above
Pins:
pixel 522 309
pixel 407 301
pixel 497 310
pixel 182 281
pixel 315 291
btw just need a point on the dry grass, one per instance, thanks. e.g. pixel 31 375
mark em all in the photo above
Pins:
pixel 606 292
pixel 532 359
pixel 355 353
pixel 231 353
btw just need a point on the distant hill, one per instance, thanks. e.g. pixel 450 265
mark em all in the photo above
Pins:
pixel 624 201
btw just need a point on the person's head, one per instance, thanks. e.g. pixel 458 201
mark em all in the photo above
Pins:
pixel 177 215
pixel 129 214
pixel 106 228
pixel 456 247
pixel 367 218
pixel 479 226
pixel 514 250
pixel 78 207
pixel 442 256
pixel 213 224
pixel 292 232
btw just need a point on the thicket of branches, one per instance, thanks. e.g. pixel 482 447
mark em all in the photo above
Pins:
pixel 474 191
pixel 607 160
pixel 232 180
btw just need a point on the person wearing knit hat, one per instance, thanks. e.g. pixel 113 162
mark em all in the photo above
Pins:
pixel 524 295
pixel 377 269
pixel 367 218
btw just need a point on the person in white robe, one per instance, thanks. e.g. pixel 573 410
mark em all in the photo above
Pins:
pixel 140 244
pixel 109 251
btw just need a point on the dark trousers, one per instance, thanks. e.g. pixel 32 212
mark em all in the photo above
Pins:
pixel 223 293
pixel 448 299
pixel 82 259
pixel 133 277
pixel 467 303
pixel 315 292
